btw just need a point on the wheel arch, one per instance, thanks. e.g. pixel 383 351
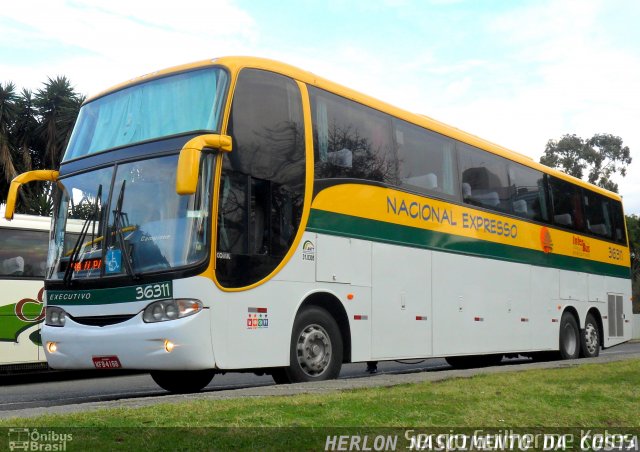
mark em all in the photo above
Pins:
pixel 574 312
pixel 335 308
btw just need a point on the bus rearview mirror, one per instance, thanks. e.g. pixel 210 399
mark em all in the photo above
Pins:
pixel 25 178
pixel 189 160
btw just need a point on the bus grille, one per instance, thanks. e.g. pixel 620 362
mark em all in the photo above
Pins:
pixel 102 320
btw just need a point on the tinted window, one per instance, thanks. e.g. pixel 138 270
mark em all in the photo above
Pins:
pixel 263 179
pixel 179 103
pixel 567 206
pixel 597 212
pixel 351 140
pixel 426 159
pixel 23 253
pixel 528 193
pixel 619 234
pixel 484 179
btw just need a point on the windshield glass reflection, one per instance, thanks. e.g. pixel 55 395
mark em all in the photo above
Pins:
pixel 148 227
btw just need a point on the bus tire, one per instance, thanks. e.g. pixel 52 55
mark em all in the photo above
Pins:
pixel 590 338
pixel 569 337
pixel 316 348
pixel 182 381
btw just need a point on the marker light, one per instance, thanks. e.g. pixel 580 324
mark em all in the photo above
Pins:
pixel 168 346
pixel 52 347
pixel 164 310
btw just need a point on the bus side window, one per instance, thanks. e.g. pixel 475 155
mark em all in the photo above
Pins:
pixel 351 140
pixel 567 204
pixel 263 179
pixel 425 159
pixel 23 253
pixel 598 214
pixel 619 234
pixel 528 195
pixel 484 179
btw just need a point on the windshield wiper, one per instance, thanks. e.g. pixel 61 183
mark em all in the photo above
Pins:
pixel 75 252
pixel 117 223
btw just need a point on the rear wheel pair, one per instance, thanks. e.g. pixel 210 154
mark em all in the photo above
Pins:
pixel 575 343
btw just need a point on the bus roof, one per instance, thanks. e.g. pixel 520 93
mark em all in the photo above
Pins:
pixel 235 63
pixel 22 221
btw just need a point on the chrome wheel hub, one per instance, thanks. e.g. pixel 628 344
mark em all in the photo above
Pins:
pixel 591 338
pixel 314 350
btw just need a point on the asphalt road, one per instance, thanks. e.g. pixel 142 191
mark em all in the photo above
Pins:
pixel 21 394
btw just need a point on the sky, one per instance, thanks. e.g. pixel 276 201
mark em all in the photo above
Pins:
pixel 517 73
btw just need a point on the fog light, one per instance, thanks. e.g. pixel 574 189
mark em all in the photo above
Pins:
pixel 168 346
pixel 52 347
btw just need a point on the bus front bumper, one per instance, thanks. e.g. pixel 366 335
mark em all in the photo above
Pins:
pixel 183 344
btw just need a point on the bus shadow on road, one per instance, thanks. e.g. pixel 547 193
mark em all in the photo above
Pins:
pixel 49 375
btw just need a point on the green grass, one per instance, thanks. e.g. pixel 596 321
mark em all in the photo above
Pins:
pixel 600 395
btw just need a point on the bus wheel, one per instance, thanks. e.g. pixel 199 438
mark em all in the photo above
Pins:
pixel 182 381
pixel 569 337
pixel 316 348
pixel 590 344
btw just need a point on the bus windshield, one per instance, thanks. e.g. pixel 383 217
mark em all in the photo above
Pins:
pixel 129 233
pixel 186 102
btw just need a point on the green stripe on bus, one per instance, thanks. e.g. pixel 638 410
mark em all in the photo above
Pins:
pixel 111 295
pixel 331 223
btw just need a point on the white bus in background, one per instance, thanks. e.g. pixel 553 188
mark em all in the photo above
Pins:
pixel 23 261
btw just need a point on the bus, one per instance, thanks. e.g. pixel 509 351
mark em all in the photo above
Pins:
pixel 240 214
pixel 24 243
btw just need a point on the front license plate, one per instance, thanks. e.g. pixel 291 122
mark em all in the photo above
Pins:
pixel 106 362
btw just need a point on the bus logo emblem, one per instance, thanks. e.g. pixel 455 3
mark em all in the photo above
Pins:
pixel 308 251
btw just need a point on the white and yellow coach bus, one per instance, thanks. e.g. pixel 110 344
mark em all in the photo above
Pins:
pixel 241 214
pixel 23 258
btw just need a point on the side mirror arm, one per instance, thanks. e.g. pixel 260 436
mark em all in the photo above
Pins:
pixel 189 160
pixel 24 178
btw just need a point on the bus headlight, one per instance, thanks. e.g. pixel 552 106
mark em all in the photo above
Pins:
pixel 163 310
pixel 55 316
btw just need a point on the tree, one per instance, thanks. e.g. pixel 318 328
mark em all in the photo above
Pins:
pixel 57 105
pixel 7 117
pixel 601 157
pixel 34 130
pixel 24 131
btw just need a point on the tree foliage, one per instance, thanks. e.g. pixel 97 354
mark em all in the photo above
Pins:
pixel 598 158
pixel 34 131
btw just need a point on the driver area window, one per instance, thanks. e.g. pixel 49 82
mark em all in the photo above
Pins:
pixel 263 178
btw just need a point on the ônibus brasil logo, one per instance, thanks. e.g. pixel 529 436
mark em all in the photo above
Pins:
pixel 17 317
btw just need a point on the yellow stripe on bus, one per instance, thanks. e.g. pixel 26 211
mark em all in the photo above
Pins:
pixel 406 209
